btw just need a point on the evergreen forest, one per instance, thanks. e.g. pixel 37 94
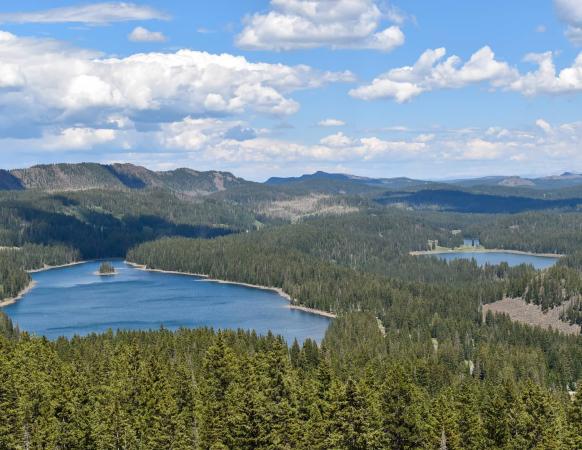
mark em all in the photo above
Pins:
pixel 410 362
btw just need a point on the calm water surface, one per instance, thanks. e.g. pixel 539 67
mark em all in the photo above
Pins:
pixel 74 301
pixel 513 259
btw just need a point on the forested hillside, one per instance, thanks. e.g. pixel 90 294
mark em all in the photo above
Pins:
pixel 15 261
pixel 474 202
pixel 104 223
pixel 73 177
pixel 445 308
pixel 410 362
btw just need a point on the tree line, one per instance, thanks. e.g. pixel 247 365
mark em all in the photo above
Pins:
pixel 14 262
pixel 234 389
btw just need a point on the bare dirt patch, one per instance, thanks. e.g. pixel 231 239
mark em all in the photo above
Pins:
pixel 519 310
pixel 307 205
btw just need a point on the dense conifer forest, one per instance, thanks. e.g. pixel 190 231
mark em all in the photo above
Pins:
pixel 200 389
pixel 410 362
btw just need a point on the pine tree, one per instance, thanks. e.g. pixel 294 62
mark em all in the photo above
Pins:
pixel 351 424
pixel 279 427
pixel 444 420
pixel 403 410
pixel 501 412
pixel 218 377
pixel 36 371
pixel 156 408
pixel 294 354
pixel 9 424
pixel 185 423
pixel 575 419
pixel 470 420
pixel 114 399
pixel 541 425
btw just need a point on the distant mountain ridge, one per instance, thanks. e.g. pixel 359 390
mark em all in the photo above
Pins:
pixel 565 180
pixel 390 183
pixel 83 176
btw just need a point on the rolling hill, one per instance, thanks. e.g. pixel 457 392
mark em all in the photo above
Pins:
pixel 84 176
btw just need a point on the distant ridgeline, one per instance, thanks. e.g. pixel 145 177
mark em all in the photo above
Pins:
pixel 469 202
pixel 65 177
pixel 480 195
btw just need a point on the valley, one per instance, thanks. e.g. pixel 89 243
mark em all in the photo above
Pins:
pixel 319 276
pixel 290 225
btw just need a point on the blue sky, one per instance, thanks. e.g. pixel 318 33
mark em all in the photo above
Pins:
pixel 282 87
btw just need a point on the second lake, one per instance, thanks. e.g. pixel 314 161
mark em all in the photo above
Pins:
pixel 513 259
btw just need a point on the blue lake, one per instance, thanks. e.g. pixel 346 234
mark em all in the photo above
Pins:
pixel 513 259
pixel 74 301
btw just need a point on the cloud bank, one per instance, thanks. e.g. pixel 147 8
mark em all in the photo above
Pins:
pixel 433 72
pixel 44 82
pixel 302 24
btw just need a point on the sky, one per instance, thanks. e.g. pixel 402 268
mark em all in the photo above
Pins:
pixel 419 88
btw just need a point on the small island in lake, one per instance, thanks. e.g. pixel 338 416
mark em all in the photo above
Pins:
pixel 106 268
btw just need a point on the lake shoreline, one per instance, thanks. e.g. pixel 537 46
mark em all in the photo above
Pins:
pixel 292 304
pixel 485 250
pixel 47 267
pixel 22 293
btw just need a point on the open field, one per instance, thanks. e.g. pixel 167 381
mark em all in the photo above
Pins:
pixel 308 205
pixel 520 311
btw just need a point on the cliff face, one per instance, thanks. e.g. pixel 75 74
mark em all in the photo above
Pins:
pixel 72 177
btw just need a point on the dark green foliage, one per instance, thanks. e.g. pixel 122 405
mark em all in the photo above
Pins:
pixel 416 316
pixel 108 223
pixel 540 232
pixel 198 389
pixel 105 268
pixel 409 363
pixel 15 261
pixel 13 278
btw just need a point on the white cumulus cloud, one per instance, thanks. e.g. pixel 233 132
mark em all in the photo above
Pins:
pixel 300 24
pixel 79 138
pixel 231 145
pixel 570 12
pixel 141 34
pixel 195 134
pixel 337 140
pixel 51 82
pixel 544 125
pixel 431 72
pixel 546 79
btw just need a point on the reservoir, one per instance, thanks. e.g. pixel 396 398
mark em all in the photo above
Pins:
pixel 493 258
pixel 74 300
